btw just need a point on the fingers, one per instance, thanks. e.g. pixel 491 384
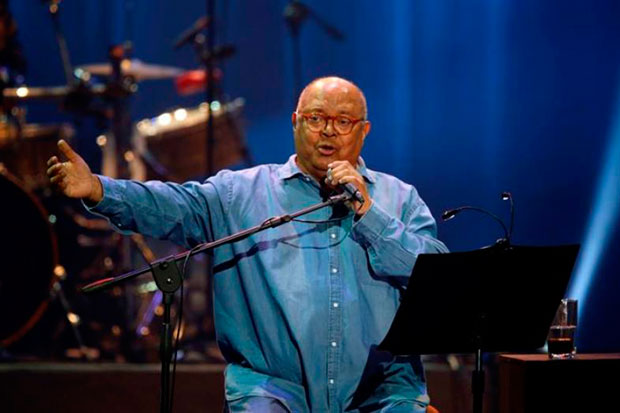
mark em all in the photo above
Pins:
pixel 342 172
pixel 338 178
pixel 57 174
pixel 58 181
pixel 53 160
pixel 54 169
pixel 67 150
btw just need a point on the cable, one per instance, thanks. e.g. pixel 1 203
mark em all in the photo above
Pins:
pixel 327 221
pixel 179 325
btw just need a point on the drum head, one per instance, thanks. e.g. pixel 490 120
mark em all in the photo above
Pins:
pixel 28 256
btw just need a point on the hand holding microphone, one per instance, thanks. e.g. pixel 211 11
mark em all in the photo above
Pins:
pixel 341 174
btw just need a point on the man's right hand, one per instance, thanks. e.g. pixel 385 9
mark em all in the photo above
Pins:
pixel 73 178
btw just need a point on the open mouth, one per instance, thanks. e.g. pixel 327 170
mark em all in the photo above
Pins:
pixel 326 150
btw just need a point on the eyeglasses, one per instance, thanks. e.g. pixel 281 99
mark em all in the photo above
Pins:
pixel 317 122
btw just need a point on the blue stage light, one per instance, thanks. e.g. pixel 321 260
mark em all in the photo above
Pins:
pixel 603 217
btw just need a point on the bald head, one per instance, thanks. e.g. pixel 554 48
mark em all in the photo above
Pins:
pixel 325 85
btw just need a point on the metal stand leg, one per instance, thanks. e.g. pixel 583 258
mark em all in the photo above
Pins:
pixel 72 318
pixel 477 382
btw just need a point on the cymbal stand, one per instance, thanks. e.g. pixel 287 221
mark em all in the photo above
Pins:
pixel 120 88
pixel 208 63
pixel 54 10
pixel 73 319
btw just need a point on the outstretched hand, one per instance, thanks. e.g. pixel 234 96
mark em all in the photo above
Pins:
pixel 73 177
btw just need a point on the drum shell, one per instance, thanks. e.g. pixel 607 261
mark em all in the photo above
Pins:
pixel 173 145
pixel 28 257
pixel 25 150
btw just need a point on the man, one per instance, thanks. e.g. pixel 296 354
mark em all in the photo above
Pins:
pixel 299 309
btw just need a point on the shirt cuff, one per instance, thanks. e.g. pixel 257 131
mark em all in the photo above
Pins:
pixel 370 225
pixel 109 205
pixel 108 189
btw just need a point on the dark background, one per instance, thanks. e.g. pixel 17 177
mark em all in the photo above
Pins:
pixel 467 98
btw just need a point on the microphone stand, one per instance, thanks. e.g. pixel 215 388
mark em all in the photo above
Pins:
pixel 295 13
pixel 477 376
pixel 210 95
pixel 169 279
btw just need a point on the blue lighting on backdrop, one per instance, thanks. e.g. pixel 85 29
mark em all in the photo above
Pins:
pixel 603 220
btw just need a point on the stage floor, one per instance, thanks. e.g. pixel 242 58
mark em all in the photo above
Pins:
pixel 92 387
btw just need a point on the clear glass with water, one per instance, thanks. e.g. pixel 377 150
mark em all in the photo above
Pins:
pixel 561 340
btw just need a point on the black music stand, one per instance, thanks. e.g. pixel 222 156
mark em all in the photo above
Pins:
pixel 497 299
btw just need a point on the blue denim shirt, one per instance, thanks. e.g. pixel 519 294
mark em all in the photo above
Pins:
pixel 299 309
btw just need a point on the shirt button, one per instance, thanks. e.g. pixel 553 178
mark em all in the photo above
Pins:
pixel 334 344
pixel 333 235
pixel 334 270
pixel 335 305
pixel 331 381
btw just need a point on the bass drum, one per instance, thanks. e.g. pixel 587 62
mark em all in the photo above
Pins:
pixel 28 259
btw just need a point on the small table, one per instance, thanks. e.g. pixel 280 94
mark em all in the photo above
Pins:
pixel 535 383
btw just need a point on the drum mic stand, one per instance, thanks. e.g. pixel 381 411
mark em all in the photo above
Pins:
pixel 169 279
pixel 294 14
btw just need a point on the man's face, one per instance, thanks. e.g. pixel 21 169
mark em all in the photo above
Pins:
pixel 316 150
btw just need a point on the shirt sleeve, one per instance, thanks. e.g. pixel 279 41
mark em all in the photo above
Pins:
pixel 393 244
pixel 185 214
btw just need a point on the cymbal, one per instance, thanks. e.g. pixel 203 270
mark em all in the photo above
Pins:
pixel 49 92
pixel 135 68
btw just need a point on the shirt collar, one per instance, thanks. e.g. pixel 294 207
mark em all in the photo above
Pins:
pixel 290 169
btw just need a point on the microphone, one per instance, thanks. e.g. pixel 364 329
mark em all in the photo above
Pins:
pixel 451 213
pixel 352 190
pixel 349 188
pixel 507 196
pixel 191 32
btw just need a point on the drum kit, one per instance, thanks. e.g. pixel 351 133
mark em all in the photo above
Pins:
pixel 50 248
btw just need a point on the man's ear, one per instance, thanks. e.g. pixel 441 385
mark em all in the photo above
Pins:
pixel 366 128
pixel 294 119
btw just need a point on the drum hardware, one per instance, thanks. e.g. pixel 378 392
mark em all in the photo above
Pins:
pixel 54 11
pixel 207 53
pixel 32 276
pixel 24 149
pixel 159 142
pixel 135 68
pixel 20 147
pixel 20 94
pixel 131 147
